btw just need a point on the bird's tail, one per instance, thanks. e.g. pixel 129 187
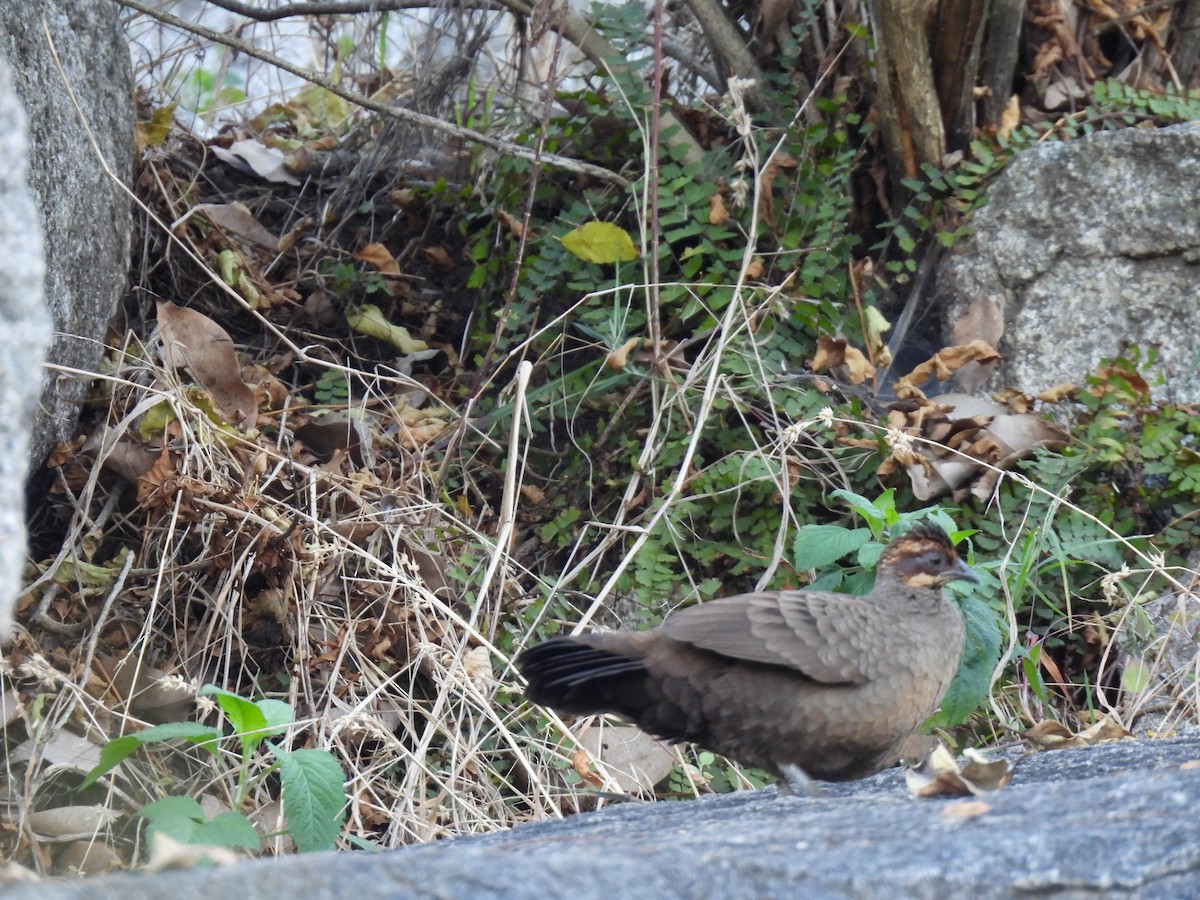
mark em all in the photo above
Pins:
pixel 580 675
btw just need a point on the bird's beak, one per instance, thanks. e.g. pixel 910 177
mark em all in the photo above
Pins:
pixel 960 572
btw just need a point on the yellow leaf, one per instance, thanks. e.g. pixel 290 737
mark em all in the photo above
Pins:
pixel 369 320
pixel 154 132
pixel 601 242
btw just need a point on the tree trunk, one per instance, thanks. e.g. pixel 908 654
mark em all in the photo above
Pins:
pixel 911 119
pixel 1000 57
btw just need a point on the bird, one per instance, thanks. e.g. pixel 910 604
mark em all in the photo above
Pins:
pixel 805 684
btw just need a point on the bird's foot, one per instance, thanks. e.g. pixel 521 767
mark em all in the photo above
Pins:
pixel 795 782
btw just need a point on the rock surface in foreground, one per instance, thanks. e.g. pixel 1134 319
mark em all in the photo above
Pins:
pixel 1118 817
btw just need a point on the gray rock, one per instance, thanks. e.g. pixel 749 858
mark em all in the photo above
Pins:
pixel 26 334
pixel 1073 823
pixel 85 213
pixel 1083 248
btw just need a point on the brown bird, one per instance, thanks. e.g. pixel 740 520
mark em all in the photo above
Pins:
pixel 800 683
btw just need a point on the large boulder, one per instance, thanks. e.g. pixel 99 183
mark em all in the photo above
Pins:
pixel 85 210
pixel 1073 823
pixel 1084 248
pixel 26 329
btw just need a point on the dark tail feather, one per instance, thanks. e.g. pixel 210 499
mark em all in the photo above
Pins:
pixel 571 676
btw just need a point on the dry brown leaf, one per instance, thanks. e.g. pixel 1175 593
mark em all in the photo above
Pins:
pixel 942 365
pixel 1051 735
pixel 87 857
pixel 634 760
pixel 939 774
pixel 618 359
pixel 1059 392
pixel 191 339
pixel 237 221
pixel 584 764
pixel 1135 381
pixel 75 822
pixel 333 432
pixel 717 213
pixel 380 257
pixel 513 224
pixel 533 493
pixel 439 256
pixel 129 459
pixel 153 481
pixel 151 694
pixel 981 321
pixel 833 352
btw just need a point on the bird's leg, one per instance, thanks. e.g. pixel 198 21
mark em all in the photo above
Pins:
pixel 795 782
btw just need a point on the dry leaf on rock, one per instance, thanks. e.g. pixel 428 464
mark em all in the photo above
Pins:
pixel 1051 735
pixel 940 774
pixel 192 340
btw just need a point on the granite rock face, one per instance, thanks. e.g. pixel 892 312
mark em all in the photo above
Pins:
pixel 1073 823
pixel 85 212
pixel 1084 248
pixel 25 326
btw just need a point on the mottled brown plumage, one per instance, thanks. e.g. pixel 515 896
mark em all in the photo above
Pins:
pixel 796 682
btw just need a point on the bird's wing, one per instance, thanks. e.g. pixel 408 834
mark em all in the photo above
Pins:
pixel 827 637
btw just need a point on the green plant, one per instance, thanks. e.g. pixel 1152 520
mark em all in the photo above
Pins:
pixel 332 388
pixel 311 780
pixel 342 278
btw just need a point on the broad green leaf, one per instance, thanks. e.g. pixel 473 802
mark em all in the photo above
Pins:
pixel 314 796
pixel 974 677
pixel 277 714
pixel 818 546
pixel 115 751
pixel 182 819
pixel 601 242
pixel 869 553
pixel 244 715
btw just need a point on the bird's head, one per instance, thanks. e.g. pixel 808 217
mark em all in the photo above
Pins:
pixel 924 558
